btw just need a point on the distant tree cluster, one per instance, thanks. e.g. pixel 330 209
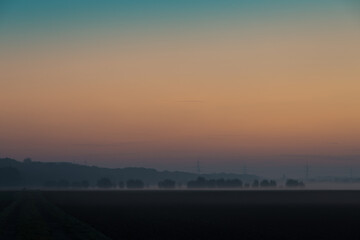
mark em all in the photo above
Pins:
pixel 264 183
pixel 201 182
pixel 294 183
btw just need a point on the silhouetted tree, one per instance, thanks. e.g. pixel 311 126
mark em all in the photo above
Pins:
pixel 294 183
pixel 273 183
pixel 135 184
pixel 255 183
pixel 104 183
pixel 167 183
pixel 267 183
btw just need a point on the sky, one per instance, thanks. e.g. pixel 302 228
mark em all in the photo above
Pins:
pixel 270 85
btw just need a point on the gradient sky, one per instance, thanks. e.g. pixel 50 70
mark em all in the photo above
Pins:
pixel 162 84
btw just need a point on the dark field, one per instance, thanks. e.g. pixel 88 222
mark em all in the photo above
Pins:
pixel 27 215
pixel 215 214
pixel 5 199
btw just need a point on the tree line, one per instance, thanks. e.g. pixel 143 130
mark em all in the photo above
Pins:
pixel 199 183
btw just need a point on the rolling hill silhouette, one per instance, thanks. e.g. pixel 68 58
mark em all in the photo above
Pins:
pixel 35 174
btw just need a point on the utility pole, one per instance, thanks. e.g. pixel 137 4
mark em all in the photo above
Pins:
pixel 198 167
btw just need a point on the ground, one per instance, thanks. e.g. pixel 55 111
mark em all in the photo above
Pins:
pixel 180 215
pixel 29 216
